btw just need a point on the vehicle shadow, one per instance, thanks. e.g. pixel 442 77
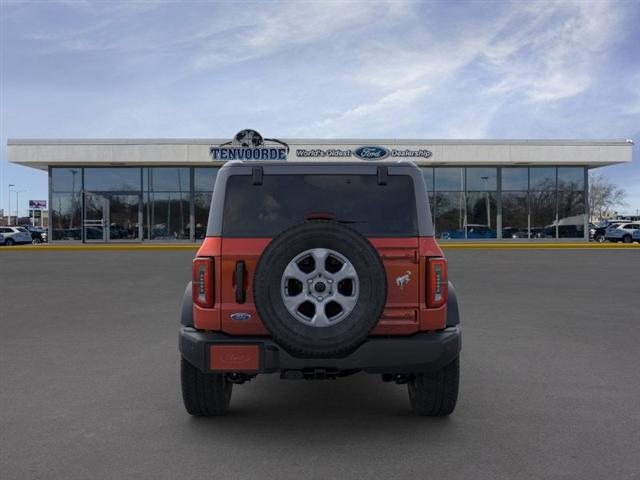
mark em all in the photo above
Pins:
pixel 356 408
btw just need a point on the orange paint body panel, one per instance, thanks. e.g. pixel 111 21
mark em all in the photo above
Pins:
pixel 404 260
pixel 234 358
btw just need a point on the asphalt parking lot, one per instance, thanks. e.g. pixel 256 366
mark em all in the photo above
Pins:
pixel 550 384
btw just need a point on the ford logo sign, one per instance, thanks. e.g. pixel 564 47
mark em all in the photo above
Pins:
pixel 240 316
pixel 371 153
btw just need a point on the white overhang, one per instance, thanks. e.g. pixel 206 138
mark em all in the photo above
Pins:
pixel 43 153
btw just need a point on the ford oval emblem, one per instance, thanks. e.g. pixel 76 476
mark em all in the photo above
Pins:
pixel 240 316
pixel 371 153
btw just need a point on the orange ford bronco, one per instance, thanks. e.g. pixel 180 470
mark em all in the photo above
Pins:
pixel 319 270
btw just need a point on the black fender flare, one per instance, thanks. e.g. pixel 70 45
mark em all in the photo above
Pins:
pixel 186 310
pixel 453 312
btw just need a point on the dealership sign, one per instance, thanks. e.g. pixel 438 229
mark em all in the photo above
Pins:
pixel 366 152
pixel 250 145
pixel 38 204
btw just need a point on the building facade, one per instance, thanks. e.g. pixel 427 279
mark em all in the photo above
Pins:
pixel 160 190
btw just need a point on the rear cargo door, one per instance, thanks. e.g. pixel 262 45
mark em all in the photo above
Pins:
pixel 384 211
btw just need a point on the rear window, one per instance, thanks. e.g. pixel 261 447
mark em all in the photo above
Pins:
pixel 286 200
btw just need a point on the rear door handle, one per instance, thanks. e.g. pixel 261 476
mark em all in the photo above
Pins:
pixel 239 277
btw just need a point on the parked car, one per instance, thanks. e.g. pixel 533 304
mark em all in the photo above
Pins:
pixel 15 235
pixel 38 234
pixel 514 232
pixel 598 232
pixel 307 271
pixel 622 232
pixel 543 232
pixel 473 231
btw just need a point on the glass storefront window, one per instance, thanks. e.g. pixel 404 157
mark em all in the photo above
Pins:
pixel 571 211
pixel 66 217
pixel 464 201
pixel 427 173
pixel 449 179
pixel 449 208
pixel 66 179
pixel 124 217
pixel 112 179
pixel 166 179
pixel 204 179
pixel 543 214
pixel 542 178
pixel 481 215
pixel 167 216
pixel 482 179
pixel 202 203
pixel 515 215
pixel 571 178
pixel 515 179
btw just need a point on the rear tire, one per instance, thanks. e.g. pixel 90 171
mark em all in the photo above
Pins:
pixel 204 394
pixel 626 239
pixel 435 394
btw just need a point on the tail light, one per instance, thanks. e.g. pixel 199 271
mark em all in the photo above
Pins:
pixel 437 282
pixel 203 282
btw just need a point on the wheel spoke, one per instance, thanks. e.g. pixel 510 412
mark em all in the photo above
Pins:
pixel 320 319
pixel 293 302
pixel 319 257
pixel 347 271
pixel 293 271
pixel 346 302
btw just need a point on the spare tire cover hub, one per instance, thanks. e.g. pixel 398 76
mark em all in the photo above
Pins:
pixel 320 287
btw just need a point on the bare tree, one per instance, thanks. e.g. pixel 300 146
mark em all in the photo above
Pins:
pixel 604 196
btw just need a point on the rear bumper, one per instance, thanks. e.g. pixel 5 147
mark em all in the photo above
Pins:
pixel 396 355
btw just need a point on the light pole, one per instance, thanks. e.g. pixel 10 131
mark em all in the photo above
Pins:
pixel 18 192
pixel 9 215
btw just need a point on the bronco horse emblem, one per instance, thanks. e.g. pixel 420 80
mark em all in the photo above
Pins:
pixel 403 280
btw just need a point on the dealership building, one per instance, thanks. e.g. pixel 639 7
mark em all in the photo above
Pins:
pixel 133 190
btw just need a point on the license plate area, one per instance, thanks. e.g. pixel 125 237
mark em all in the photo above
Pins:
pixel 234 358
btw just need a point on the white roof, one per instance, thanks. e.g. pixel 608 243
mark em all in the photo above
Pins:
pixel 42 153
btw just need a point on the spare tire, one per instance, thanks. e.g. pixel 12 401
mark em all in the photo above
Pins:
pixel 320 288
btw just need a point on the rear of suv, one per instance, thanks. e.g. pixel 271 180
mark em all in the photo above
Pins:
pixel 316 271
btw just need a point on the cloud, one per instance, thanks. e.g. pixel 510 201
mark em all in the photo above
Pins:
pixel 539 53
pixel 289 26
pixel 553 56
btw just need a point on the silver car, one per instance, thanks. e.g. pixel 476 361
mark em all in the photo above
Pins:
pixel 622 232
pixel 15 235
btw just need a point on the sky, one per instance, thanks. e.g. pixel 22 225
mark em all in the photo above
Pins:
pixel 374 69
